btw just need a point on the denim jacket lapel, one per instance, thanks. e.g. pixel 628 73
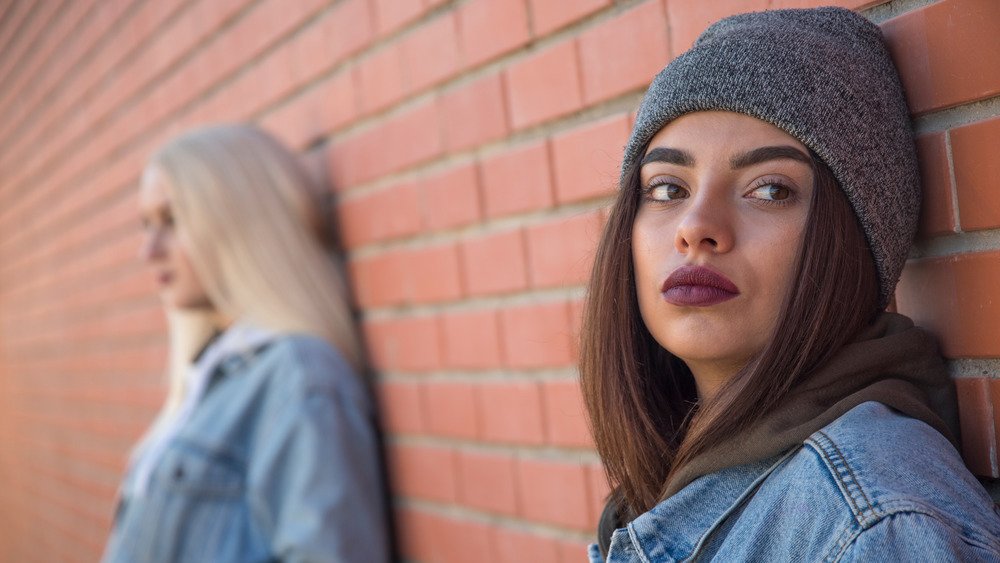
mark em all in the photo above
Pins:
pixel 677 527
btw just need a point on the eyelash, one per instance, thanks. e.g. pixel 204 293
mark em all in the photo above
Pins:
pixel 764 182
pixel 658 183
pixel 760 183
pixel 167 220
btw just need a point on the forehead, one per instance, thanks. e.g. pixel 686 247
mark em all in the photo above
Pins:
pixel 721 131
pixel 154 190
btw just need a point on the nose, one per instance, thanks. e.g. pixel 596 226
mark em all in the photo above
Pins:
pixel 152 247
pixel 706 226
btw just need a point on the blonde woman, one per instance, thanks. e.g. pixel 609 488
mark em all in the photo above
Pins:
pixel 266 447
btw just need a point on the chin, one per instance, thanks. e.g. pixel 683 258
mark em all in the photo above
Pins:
pixel 707 350
pixel 185 302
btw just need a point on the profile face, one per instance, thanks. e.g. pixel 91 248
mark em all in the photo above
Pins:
pixel 723 207
pixel 165 249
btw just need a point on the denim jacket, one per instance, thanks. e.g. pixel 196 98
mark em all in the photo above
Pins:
pixel 278 462
pixel 873 485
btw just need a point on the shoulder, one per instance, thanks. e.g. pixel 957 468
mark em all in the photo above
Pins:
pixel 887 467
pixel 300 365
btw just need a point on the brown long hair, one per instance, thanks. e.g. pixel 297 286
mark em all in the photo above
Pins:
pixel 642 402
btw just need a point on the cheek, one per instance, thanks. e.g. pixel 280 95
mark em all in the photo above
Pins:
pixel 652 244
pixel 652 241
pixel 777 266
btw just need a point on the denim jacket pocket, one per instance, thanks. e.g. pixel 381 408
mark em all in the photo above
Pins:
pixel 201 492
pixel 190 469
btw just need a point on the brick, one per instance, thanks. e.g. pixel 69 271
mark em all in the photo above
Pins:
pixel 576 310
pixel 849 4
pixel 489 28
pixel 471 340
pixel 386 147
pixel 536 335
pixel 435 274
pixel 326 42
pixel 543 86
pixel 424 472
pixel 389 213
pixel 524 547
pixel 417 533
pixel 553 492
pixel 347 28
pixel 359 272
pixel 464 541
pixel 586 160
pixel 397 211
pixel 565 414
pixel 430 54
pixel 995 402
pixel 511 412
pixel 494 263
pixel 573 551
pixel 451 198
pixel 474 114
pixel 955 298
pixel 272 78
pixel 381 280
pixel 689 19
pixel 600 490
pixel 308 117
pixel 561 251
pixel 381 79
pixel 937 212
pixel 393 14
pixel 411 344
pixel 975 412
pixel 487 482
pixel 517 180
pixel 977 174
pixel 550 15
pixel 452 410
pixel 357 158
pixel 400 407
pixel 623 54
pixel 945 52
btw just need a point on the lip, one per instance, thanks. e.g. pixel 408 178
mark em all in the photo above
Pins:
pixel 697 286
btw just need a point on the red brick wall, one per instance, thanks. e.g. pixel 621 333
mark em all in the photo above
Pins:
pixel 472 146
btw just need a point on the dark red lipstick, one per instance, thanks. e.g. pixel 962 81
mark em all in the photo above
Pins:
pixel 698 286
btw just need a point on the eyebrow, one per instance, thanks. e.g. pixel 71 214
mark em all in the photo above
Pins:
pixel 755 156
pixel 670 156
pixel 765 154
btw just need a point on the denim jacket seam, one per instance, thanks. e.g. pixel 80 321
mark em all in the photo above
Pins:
pixel 908 506
pixel 854 477
pixel 846 538
pixel 972 538
pixel 836 463
pixel 637 545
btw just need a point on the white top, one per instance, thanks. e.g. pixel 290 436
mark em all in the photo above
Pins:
pixel 237 339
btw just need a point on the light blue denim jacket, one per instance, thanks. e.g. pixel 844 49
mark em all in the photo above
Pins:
pixel 278 462
pixel 873 485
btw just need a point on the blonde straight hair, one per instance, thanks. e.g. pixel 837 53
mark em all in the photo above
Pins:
pixel 256 241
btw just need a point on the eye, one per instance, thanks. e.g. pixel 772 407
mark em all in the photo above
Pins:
pixel 771 191
pixel 666 192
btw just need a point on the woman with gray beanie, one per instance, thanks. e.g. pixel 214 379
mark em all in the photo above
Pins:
pixel 749 395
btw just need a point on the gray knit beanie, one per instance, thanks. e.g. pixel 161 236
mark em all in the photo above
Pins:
pixel 824 76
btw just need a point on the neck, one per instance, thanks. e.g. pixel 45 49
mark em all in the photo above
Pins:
pixel 710 376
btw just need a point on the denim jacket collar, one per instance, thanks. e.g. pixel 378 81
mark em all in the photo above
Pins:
pixel 676 527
